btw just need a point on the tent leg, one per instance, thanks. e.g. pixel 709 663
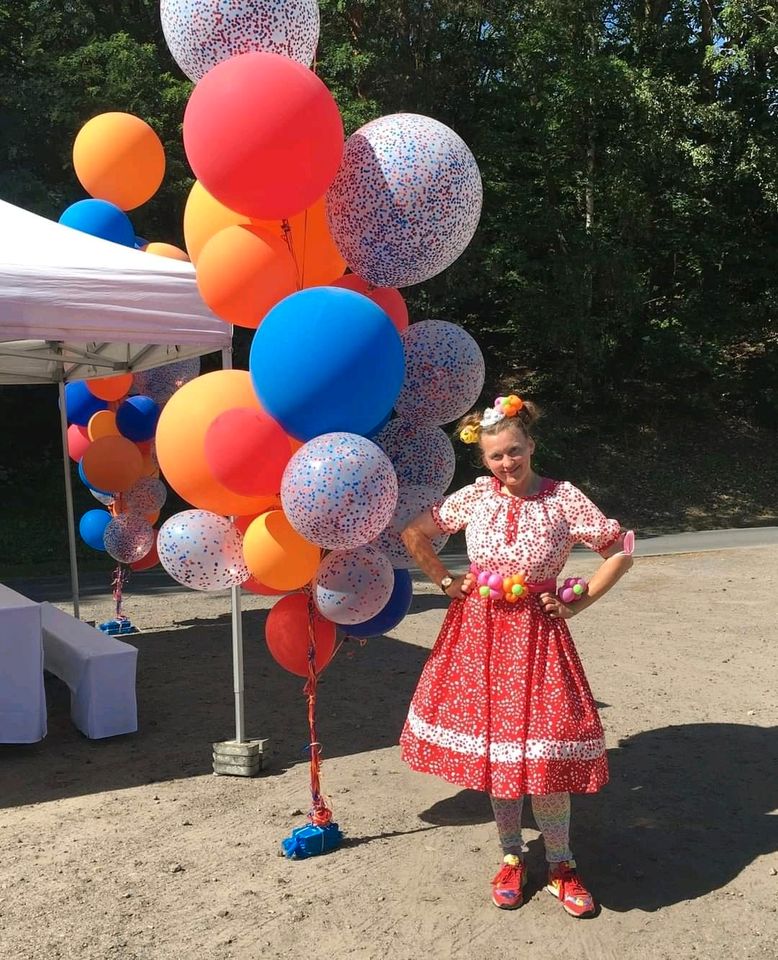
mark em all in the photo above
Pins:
pixel 237 665
pixel 63 421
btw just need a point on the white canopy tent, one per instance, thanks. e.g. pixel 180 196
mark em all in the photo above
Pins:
pixel 74 307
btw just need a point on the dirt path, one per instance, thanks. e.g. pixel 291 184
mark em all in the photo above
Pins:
pixel 132 849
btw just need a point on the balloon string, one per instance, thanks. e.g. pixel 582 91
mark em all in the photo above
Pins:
pixel 320 813
pixel 120 576
pixel 287 232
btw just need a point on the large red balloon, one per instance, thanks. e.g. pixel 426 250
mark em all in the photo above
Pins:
pixel 247 451
pixel 263 135
pixel 286 633
pixel 388 299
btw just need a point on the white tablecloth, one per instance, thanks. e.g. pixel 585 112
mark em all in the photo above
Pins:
pixel 99 669
pixel 22 696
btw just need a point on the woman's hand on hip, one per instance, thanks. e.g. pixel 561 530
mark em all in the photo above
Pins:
pixel 555 608
pixel 461 586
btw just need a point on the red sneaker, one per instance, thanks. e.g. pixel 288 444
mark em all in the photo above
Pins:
pixel 507 885
pixel 565 884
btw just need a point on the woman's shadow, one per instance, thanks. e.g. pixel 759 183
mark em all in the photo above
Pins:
pixel 686 810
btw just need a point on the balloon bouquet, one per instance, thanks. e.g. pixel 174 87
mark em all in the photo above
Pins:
pixel 303 471
pixel 120 162
pixel 111 438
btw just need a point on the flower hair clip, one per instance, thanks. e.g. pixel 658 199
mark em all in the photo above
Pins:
pixel 469 434
pixel 503 407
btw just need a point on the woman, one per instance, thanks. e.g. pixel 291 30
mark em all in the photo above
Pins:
pixel 503 704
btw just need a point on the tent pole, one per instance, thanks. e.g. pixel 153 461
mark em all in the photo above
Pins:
pixel 63 422
pixel 237 628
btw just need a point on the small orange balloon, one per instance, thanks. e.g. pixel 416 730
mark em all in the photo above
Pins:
pixel 317 259
pixel 152 517
pixel 204 217
pixel 244 271
pixel 119 158
pixel 102 424
pixel 180 440
pixel 277 555
pixel 110 388
pixel 166 250
pixel 113 464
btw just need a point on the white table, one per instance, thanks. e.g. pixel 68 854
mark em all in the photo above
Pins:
pixel 22 696
pixel 99 669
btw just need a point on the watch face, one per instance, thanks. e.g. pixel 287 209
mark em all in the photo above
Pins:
pixel 446 582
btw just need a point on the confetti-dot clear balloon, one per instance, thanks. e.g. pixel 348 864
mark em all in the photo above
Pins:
pixel 412 501
pixel 128 537
pixel 202 550
pixel 162 382
pixel 421 453
pixel 444 372
pixel 352 586
pixel 406 200
pixel 147 496
pixel 202 33
pixel 339 491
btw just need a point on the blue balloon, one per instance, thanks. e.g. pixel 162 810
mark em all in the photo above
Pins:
pixel 92 527
pixel 376 430
pixel 140 243
pixel 80 404
pixel 99 218
pixel 397 606
pixel 327 360
pixel 137 418
pixel 83 479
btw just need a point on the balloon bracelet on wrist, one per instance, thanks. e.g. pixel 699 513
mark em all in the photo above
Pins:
pixel 573 589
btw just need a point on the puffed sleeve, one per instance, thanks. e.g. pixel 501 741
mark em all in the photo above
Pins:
pixel 454 513
pixel 587 524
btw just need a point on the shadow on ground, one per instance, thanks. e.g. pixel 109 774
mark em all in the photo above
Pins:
pixel 686 810
pixel 185 702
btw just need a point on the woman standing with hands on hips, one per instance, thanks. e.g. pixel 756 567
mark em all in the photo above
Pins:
pixel 503 704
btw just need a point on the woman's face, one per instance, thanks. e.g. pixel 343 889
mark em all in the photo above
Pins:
pixel 508 454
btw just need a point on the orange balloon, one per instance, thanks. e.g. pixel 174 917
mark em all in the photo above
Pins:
pixel 166 250
pixel 243 272
pixel 204 217
pixel 110 388
pixel 181 431
pixel 102 424
pixel 316 257
pixel 119 158
pixel 113 464
pixel 277 555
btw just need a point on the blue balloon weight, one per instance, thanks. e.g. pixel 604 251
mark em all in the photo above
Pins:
pixel 137 418
pixel 80 404
pixel 100 219
pixel 92 527
pixel 83 479
pixel 327 360
pixel 397 606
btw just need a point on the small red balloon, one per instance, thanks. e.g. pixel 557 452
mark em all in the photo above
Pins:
pixel 388 299
pixel 287 635
pixel 247 451
pixel 78 441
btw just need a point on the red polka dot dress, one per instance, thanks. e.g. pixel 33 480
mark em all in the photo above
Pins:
pixel 503 704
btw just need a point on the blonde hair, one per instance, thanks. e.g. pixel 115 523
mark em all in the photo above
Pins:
pixel 469 428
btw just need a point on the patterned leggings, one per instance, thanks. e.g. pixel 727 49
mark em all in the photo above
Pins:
pixel 552 813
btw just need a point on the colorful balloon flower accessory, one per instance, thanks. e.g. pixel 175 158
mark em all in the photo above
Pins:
pixel 494 586
pixel 503 407
pixel 573 589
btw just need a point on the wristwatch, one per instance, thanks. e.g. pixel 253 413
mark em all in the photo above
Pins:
pixel 445 583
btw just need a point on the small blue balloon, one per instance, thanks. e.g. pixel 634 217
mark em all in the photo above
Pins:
pixel 80 404
pixel 137 418
pixel 92 527
pixel 83 479
pixel 99 218
pixel 327 360
pixel 397 606
pixel 140 243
